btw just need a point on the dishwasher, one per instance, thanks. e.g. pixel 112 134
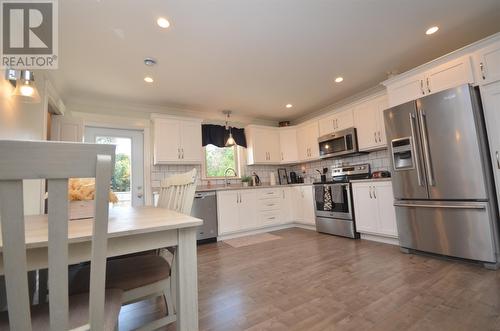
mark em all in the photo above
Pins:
pixel 205 207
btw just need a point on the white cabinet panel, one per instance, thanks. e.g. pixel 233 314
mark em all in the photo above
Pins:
pixel 369 123
pixel 303 204
pixel 307 138
pixel 406 90
pixel 374 208
pixel 246 209
pixel 286 205
pixel 228 212
pixel 65 128
pixel 491 103
pixel 487 64
pixel 263 145
pixel 177 141
pixel 448 75
pixel 288 145
pixel 339 121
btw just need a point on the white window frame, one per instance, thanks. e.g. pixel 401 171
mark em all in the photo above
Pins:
pixel 238 168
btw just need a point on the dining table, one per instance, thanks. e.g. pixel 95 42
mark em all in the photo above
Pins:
pixel 130 230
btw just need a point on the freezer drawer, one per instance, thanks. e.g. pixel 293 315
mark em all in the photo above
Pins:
pixel 449 228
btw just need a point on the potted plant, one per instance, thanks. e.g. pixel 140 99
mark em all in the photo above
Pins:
pixel 246 180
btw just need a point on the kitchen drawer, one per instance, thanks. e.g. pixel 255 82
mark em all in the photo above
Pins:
pixel 269 218
pixel 269 204
pixel 270 193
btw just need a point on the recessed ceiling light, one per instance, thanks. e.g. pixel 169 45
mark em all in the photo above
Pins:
pixel 163 22
pixel 339 80
pixel 431 30
pixel 289 105
pixel 148 79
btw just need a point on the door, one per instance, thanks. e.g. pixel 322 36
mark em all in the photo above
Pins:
pixel 273 146
pixel 366 119
pixel 65 128
pixel 288 144
pixel 246 209
pixel 487 64
pixel 167 142
pixel 491 104
pixel 450 74
pixel 312 140
pixel 387 213
pixel 401 125
pixel 381 106
pixel 408 89
pixel 307 205
pixel 365 208
pixel 227 211
pixel 451 147
pixel 191 145
pixel 286 205
pixel 128 176
pixel 344 120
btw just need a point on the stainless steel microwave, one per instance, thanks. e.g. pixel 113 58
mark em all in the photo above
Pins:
pixel 338 143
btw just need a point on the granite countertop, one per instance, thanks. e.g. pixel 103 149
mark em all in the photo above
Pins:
pixel 205 188
pixel 385 179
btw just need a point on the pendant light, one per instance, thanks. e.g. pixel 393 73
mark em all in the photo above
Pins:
pixel 26 90
pixel 230 141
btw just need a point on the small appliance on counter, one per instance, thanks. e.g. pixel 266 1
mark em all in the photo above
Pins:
pixel 255 179
pixel 381 174
pixel 334 203
pixel 293 177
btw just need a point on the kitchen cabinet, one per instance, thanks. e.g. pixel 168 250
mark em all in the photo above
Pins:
pixel 177 141
pixel 373 208
pixel 490 95
pixel 336 122
pixel 369 123
pixel 228 211
pixel 263 145
pixel 441 77
pixel 288 145
pixel 246 209
pixel 286 205
pixel 64 128
pixel 487 64
pixel 303 205
pixel 307 141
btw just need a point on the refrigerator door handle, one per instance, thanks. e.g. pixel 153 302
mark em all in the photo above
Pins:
pixel 440 206
pixel 417 159
pixel 425 142
pixel 498 160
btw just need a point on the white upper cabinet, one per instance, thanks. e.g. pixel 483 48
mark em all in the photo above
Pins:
pixel 369 123
pixel 447 75
pixel 336 122
pixel 177 141
pixel 263 145
pixel 64 128
pixel 307 141
pixel 288 145
pixel 487 64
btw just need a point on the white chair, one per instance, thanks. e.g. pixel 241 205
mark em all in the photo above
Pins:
pixel 55 162
pixel 145 276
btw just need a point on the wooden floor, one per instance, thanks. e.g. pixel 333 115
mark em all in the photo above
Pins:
pixel 310 281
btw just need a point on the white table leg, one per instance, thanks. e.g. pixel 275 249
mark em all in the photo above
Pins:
pixel 187 281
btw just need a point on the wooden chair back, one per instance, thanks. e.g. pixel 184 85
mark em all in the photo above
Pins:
pixel 177 192
pixel 54 162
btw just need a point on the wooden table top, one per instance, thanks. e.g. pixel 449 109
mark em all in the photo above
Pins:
pixel 123 221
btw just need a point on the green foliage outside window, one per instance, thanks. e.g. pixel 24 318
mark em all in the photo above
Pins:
pixel 219 159
pixel 121 177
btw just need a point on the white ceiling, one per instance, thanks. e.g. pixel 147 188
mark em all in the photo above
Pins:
pixel 254 56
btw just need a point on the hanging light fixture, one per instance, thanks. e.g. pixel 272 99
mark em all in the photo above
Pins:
pixel 25 88
pixel 230 141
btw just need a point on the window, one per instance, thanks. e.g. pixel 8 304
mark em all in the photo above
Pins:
pixel 218 159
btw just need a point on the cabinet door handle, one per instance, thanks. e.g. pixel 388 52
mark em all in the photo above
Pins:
pixel 379 139
pixel 370 192
pixel 182 153
pixel 481 66
pixel 428 85
pixel 374 192
pixel 375 135
pixel 283 194
pixel 498 159
pixel 333 124
pixel 178 153
pixel 282 158
pixel 422 86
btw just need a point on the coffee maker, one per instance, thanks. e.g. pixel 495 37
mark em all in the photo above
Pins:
pixel 293 177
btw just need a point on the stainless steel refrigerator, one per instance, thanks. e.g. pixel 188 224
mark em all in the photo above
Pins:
pixel 442 179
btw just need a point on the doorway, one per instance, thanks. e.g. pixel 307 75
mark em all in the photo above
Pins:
pixel 128 176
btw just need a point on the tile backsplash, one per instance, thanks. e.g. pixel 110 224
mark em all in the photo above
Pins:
pixel 379 160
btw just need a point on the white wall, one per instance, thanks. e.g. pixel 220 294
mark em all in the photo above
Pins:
pixel 25 122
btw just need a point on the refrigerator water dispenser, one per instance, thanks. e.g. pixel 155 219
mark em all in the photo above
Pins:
pixel 402 153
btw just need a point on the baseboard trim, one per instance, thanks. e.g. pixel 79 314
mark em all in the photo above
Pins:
pixel 381 239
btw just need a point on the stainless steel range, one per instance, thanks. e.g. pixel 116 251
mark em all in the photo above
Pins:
pixel 333 201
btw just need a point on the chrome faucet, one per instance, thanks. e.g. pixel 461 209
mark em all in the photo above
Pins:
pixel 225 175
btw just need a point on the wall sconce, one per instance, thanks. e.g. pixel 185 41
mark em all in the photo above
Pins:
pixel 24 83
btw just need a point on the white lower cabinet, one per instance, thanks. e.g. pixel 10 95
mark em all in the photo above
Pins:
pixel 373 208
pixel 252 209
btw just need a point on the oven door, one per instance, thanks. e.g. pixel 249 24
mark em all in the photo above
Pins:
pixel 333 201
pixel 338 143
